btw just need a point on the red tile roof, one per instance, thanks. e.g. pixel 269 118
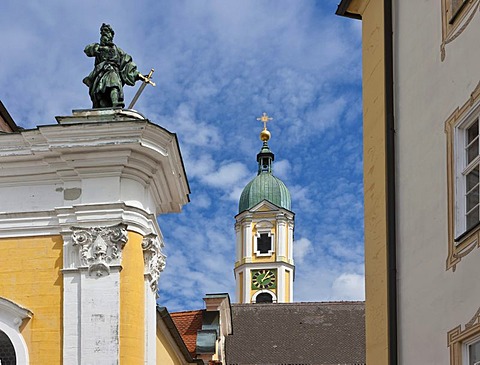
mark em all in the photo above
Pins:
pixel 188 323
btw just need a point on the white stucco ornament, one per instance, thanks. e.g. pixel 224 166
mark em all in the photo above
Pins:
pixel 154 259
pixel 100 247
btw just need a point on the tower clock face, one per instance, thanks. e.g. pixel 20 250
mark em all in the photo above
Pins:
pixel 264 279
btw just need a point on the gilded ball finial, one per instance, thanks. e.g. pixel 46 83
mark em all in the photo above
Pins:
pixel 265 135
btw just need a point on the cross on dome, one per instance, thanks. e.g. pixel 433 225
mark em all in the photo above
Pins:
pixel 264 119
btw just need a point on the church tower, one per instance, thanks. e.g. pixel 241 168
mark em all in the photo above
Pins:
pixel 264 268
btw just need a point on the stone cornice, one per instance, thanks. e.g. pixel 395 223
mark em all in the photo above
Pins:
pixel 59 221
pixel 64 156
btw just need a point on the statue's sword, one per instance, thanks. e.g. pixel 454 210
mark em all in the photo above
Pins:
pixel 147 79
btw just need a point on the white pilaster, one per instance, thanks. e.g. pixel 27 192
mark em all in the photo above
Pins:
pixel 281 236
pixel 99 318
pixel 290 241
pixel 247 277
pixel 154 264
pixel 150 324
pixel 247 239
pixel 238 242
pixel 281 285
pixel 91 294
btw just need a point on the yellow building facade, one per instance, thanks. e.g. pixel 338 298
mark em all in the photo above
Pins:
pixel 379 283
pixel 421 112
pixel 80 246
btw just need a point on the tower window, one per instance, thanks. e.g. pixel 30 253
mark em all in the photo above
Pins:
pixel 7 351
pixel 264 243
pixel 264 298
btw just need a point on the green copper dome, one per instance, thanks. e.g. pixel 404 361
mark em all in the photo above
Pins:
pixel 265 186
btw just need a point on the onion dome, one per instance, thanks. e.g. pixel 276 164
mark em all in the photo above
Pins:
pixel 265 186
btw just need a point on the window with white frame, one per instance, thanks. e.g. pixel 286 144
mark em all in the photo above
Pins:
pixel 470 176
pixel 467 177
pixel 13 349
pixel 471 352
pixel 264 244
pixel 462 129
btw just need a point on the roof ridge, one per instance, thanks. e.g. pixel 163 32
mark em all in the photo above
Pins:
pixel 188 311
pixel 300 303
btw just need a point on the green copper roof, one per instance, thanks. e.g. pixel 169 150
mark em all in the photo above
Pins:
pixel 265 186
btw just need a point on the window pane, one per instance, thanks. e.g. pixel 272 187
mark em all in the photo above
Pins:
pixel 474 353
pixel 472 151
pixel 472 218
pixel 472 132
pixel 472 199
pixel 472 179
pixel 7 352
pixel 472 141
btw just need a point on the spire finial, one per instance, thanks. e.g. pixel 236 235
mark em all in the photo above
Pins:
pixel 265 134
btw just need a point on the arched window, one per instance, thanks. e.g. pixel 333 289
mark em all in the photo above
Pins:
pixel 13 349
pixel 7 351
pixel 263 298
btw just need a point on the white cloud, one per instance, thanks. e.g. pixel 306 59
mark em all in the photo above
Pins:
pixel 282 169
pixel 349 287
pixel 302 248
pixel 227 176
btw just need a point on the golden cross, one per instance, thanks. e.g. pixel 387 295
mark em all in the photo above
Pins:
pixel 264 119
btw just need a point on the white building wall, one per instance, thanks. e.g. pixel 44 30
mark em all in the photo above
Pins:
pixel 431 300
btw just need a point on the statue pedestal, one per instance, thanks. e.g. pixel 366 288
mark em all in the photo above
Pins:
pixel 100 115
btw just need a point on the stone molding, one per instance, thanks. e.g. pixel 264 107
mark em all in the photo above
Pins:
pixel 49 168
pixel 154 260
pixel 12 316
pixel 100 247
pixel 457 336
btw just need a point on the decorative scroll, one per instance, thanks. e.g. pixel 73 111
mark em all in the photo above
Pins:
pixel 100 247
pixel 459 31
pixel 154 260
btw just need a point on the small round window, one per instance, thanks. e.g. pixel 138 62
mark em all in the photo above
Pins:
pixel 7 351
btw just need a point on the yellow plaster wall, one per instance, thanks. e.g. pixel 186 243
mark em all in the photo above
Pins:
pixel 165 353
pixel 132 302
pixel 30 276
pixel 376 307
pixel 240 280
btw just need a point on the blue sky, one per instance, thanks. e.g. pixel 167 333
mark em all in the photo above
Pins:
pixel 219 65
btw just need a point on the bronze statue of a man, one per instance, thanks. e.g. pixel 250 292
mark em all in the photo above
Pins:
pixel 113 69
